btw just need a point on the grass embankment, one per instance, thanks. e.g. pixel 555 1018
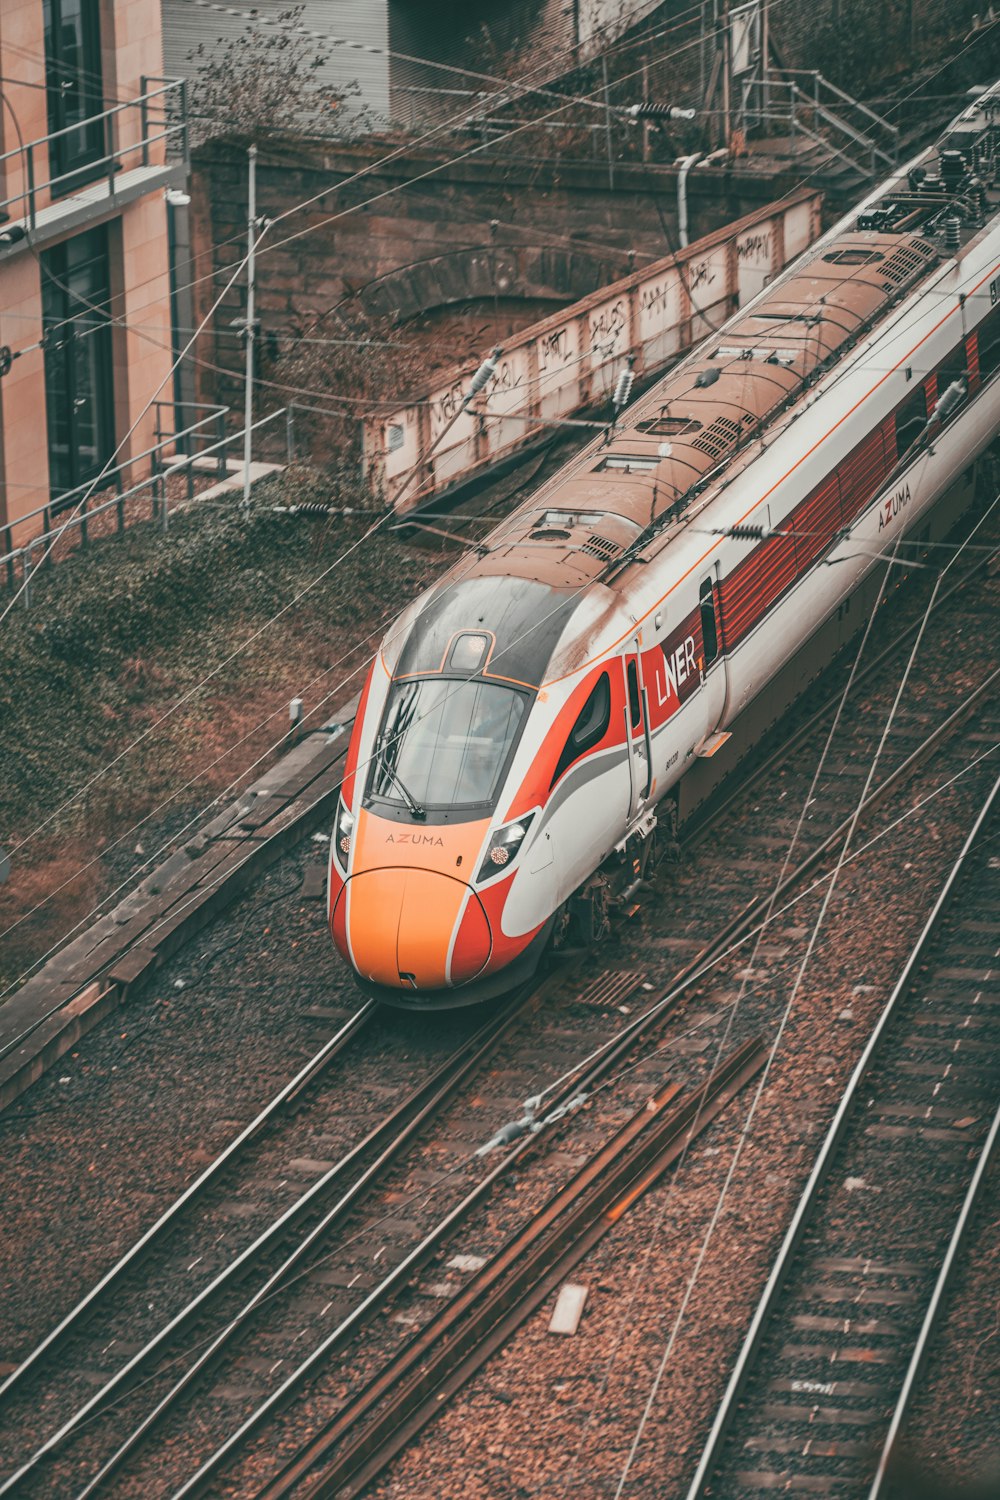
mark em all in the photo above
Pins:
pixel 122 637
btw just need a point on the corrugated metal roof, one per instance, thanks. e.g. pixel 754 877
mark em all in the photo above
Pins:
pixel 186 27
pixel 483 35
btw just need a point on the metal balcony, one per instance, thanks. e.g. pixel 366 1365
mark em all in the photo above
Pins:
pixel 145 148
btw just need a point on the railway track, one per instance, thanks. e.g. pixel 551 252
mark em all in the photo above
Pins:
pixel 116 1301
pixel 231 1354
pixel 821 1386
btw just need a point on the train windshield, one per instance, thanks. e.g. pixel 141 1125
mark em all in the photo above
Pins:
pixel 445 742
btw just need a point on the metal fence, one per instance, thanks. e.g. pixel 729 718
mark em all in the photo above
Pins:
pixel 175 453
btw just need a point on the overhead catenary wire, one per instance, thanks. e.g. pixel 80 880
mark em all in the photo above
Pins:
pixel 270 716
pixel 443 127
pixel 362 765
pixel 392 155
pixel 771 913
pixel 456 121
pixel 811 943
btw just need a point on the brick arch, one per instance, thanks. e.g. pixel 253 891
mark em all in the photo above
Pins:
pixel 527 273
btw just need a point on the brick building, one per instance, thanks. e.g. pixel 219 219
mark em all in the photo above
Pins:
pixel 92 139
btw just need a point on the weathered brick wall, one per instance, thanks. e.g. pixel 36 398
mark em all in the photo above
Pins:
pixel 560 231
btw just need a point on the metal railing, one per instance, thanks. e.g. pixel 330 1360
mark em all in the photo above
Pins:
pixel 160 114
pixel 189 449
pixel 801 102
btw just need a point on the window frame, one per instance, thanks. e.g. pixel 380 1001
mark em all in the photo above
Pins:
pixel 992 322
pixel 707 612
pixel 77 150
pixel 634 694
pixel 903 418
pixel 443 811
pixel 575 747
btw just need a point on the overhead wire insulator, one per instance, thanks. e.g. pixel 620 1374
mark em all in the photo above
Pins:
pixel 623 387
pixel 950 400
pixel 483 375
pixel 648 110
pixel 747 533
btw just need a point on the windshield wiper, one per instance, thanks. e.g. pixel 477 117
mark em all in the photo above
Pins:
pixel 416 810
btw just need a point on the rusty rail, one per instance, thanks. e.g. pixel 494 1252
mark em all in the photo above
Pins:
pixel 414 1386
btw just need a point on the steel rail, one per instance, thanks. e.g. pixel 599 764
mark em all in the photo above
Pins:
pixel 686 976
pixel 438 1360
pixel 781 1267
pixel 407 1119
pixel 326 1054
pixel 571 1092
pixel 920 1349
pixel 741 925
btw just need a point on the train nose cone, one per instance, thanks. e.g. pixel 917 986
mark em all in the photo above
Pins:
pixel 415 928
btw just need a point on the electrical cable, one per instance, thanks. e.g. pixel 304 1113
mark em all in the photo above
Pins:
pixel 758 933
pixel 362 765
pixel 500 141
pixel 418 1197
pixel 455 122
pixel 93 484
pixel 202 326
pixel 796 986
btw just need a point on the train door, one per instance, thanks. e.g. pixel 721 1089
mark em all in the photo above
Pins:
pixel 637 733
pixel 713 661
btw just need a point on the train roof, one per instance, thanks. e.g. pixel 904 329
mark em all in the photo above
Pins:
pixel 636 484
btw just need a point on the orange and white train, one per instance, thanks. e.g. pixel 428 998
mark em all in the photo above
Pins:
pixel 527 716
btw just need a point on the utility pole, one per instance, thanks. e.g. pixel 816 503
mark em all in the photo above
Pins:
pixel 607 123
pixel 250 324
pixel 727 73
pixel 765 58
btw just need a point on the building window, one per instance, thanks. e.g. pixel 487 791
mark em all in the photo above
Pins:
pixel 73 84
pixel 78 370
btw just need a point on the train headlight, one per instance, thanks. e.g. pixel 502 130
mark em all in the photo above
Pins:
pixel 504 845
pixel 343 829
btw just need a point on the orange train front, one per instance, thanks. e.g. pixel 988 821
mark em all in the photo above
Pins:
pixel 526 718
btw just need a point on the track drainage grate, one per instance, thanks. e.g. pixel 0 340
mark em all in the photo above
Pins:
pixel 613 987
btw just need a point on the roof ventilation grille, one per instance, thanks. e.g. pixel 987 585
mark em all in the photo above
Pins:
pixel 718 438
pixel 602 547
pixel 907 261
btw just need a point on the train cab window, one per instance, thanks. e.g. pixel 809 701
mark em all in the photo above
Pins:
pixel 591 725
pixel 911 419
pixel 709 631
pixel 989 345
pixel 634 701
pixel 952 370
pixel 445 742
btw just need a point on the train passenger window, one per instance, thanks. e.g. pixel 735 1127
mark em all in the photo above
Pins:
pixel 989 344
pixel 591 725
pixel 952 369
pixel 709 632
pixel 634 701
pixel 911 418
